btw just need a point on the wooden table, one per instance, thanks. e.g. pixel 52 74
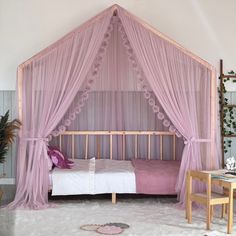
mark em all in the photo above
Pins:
pixel 219 179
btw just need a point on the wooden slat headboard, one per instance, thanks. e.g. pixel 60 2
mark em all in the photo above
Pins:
pixel 111 134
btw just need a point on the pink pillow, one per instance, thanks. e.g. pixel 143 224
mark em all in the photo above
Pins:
pixel 58 159
pixel 50 164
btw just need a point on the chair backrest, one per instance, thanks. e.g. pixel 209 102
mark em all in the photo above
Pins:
pixel 199 176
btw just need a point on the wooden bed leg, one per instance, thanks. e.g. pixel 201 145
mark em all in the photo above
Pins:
pixel 113 198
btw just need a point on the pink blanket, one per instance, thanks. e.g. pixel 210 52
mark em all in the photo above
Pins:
pixel 155 176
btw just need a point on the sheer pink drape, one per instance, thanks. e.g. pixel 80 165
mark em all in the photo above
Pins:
pixel 53 78
pixel 118 110
pixel 50 83
pixel 182 87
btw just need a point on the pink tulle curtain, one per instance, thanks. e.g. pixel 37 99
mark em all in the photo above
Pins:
pixel 182 87
pixel 119 98
pixel 50 83
pixel 117 110
pixel 135 60
pixel 119 70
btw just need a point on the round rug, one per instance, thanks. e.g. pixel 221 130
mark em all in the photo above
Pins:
pixel 109 230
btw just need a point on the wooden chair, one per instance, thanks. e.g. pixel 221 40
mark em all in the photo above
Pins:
pixel 207 198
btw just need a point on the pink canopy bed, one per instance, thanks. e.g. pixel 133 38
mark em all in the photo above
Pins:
pixel 93 79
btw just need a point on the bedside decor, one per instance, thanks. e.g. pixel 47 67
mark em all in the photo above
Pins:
pixel 230 163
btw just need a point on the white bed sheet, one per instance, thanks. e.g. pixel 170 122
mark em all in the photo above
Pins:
pixel 94 177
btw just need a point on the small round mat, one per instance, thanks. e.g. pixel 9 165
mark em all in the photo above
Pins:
pixel 109 230
pixel 90 227
pixel 121 225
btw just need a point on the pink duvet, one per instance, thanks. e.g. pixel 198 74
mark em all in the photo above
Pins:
pixel 155 176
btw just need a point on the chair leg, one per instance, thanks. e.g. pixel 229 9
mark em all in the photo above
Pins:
pixel 186 211
pixel 212 212
pixel 223 210
pixel 186 208
pixel 189 211
pixel 208 217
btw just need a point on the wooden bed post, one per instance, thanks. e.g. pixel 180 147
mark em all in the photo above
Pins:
pixel 123 146
pixel 73 146
pixel 149 147
pixel 20 87
pixel 161 148
pixel 86 147
pixel 60 142
pixel 110 146
pixel 174 147
pixel 213 116
pixel 136 146
pixel 113 198
pixel 98 147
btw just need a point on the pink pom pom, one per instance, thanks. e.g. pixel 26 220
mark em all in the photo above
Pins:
pixel 62 128
pixel 166 123
pixel 72 116
pixel 144 87
pixel 104 44
pixel 155 109
pixel 132 59
pixel 77 110
pixel 160 116
pixel 85 96
pixel 55 133
pixel 67 122
pixel 130 50
pixel 140 80
pixel 94 73
pixel 151 102
pixel 101 51
pixel 81 103
pixel 172 128
pixel 90 81
pixel 110 28
pixel 147 95
pixel 107 35
pixel 99 58
pixel 87 88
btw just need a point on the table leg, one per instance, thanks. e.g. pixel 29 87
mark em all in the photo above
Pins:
pixel 230 211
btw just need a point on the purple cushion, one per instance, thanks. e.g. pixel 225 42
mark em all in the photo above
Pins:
pixel 58 159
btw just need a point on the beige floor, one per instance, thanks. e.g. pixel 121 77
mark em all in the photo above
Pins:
pixel 147 216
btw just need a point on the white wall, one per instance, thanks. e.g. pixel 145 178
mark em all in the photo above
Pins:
pixel 206 27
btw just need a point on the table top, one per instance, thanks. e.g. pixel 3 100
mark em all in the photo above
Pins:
pixel 221 175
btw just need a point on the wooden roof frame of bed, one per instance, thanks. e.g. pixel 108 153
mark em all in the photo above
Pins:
pixel 213 94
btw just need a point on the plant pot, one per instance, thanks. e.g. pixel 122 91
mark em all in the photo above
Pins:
pixel 1 194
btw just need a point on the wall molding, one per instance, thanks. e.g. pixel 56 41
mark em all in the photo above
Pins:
pixel 7 181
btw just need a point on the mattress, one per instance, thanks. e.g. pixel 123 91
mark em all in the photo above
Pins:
pixel 94 177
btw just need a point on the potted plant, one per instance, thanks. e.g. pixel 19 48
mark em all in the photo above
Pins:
pixel 7 134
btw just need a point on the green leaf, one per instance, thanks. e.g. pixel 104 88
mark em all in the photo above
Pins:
pixel 7 134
